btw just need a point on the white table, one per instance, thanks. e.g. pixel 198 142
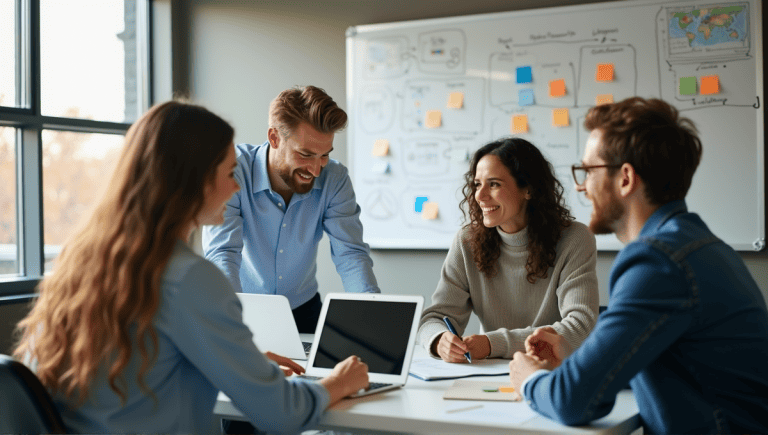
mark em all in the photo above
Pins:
pixel 419 407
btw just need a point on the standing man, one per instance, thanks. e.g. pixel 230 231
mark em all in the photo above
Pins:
pixel 290 192
pixel 686 325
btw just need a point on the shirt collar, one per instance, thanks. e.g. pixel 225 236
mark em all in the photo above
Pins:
pixel 662 215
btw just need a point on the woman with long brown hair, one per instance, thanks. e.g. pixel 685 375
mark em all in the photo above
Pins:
pixel 520 262
pixel 134 332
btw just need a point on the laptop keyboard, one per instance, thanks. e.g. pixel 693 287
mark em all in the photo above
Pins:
pixel 373 385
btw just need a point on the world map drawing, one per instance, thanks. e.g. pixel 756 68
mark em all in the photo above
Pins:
pixel 710 26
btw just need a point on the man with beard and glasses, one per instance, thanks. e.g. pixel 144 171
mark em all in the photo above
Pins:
pixel 686 324
pixel 292 192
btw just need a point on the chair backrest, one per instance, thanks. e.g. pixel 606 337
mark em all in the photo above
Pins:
pixel 25 406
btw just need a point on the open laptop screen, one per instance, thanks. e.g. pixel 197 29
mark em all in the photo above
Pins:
pixel 376 331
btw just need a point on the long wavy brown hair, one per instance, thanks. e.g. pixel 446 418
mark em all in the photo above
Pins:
pixel 97 306
pixel 546 210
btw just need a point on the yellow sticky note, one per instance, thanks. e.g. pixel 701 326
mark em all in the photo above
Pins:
pixel 560 117
pixel 456 100
pixel 604 99
pixel 434 119
pixel 381 148
pixel 429 210
pixel 557 88
pixel 604 72
pixel 506 389
pixel 519 124
pixel 710 85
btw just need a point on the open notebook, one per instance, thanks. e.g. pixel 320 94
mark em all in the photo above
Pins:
pixel 380 329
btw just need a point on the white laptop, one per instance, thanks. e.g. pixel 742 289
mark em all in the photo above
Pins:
pixel 270 319
pixel 380 329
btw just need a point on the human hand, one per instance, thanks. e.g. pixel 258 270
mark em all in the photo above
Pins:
pixel 546 344
pixel 287 365
pixel 451 348
pixel 348 377
pixel 521 366
pixel 479 346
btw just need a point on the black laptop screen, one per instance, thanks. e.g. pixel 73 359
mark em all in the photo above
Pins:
pixel 376 331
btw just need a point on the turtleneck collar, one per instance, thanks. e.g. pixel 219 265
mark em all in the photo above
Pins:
pixel 517 239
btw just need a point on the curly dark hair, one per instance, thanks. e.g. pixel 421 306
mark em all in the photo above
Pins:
pixel 546 210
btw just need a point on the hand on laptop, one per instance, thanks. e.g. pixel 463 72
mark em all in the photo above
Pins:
pixel 348 377
pixel 287 365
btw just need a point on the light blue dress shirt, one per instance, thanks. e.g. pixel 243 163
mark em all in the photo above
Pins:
pixel 265 247
pixel 203 347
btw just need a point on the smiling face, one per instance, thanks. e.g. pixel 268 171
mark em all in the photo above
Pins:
pixel 496 191
pixel 219 191
pixel 598 188
pixel 295 161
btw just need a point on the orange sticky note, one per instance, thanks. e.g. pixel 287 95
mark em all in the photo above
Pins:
pixel 381 148
pixel 604 72
pixel 429 210
pixel 506 389
pixel 434 119
pixel 556 88
pixel 456 100
pixel 604 99
pixel 519 124
pixel 710 85
pixel 560 117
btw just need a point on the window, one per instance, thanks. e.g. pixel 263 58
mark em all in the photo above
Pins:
pixel 79 78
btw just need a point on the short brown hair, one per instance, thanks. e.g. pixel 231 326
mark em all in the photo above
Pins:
pixel 662 147
pixel 308 104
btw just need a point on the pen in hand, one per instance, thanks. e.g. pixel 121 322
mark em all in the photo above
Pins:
pixel 453 331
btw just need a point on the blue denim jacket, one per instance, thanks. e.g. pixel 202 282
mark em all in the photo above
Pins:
pixel 686 327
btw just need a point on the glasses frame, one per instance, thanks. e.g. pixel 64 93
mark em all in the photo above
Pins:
pixel 586 169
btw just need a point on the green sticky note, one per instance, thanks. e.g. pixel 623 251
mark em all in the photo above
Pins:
pixel 687 85
pixel 490 389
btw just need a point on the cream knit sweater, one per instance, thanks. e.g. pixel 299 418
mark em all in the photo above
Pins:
pixel 508 306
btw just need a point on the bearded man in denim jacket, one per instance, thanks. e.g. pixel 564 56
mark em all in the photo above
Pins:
pixel 686 325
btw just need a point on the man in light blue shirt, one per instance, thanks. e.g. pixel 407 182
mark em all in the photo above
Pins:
pixel 291 191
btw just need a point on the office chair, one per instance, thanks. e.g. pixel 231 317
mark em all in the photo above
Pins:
pixel 25 406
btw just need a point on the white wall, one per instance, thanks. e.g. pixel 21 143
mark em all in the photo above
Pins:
pixel 242 55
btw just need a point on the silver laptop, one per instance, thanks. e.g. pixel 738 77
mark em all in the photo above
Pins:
pixel 270 319
pixel 380 329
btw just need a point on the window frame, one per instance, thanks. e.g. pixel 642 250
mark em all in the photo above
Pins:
pixel 30 123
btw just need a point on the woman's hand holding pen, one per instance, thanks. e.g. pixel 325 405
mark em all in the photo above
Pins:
pixel 451 348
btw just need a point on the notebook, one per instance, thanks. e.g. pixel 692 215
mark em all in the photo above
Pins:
pixel 270 319
pixel 380 329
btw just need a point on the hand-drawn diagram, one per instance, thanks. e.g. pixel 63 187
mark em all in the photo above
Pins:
pixel 442 52
pixel 423 95
pixel 386 58
pixel 376 109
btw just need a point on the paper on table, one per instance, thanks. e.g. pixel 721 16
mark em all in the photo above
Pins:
pixel 430 369
pixel 491 412
pixel 464 389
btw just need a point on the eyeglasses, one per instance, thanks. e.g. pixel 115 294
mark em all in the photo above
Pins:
pixel 580 172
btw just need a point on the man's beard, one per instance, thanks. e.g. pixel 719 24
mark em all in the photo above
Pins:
pixel 603 219
pixel 289 178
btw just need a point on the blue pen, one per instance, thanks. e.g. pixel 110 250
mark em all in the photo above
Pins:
pixel 453 331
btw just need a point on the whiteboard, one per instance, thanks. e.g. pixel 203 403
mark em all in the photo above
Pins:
pixel 410 138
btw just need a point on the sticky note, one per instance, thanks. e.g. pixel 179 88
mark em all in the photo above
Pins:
pixel 604 99
pixel 560 117
pixel 519 124
pixel 434 119
pixel 456 100
pixel 525 97
pixel 604 72
pixel 419 203
pixel 380 167
pixel 710 85
pixel 381 148
pixel 557 88
pixel 429 211
pixel 524 74
pixel 506 389
pixel 687 85
pixel 490 389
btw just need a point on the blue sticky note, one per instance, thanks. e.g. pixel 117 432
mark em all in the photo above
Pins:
pixel 420 200
pixel 525 97
pixel 524 74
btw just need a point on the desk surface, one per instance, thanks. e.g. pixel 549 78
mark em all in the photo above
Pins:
pixel 419 407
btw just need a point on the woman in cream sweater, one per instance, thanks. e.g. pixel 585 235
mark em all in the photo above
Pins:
pixel 520 263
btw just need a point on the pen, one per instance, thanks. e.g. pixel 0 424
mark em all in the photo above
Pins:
pixel 453 331
pixel 468 408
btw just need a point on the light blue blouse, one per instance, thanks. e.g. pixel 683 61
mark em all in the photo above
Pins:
pixel 204 347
